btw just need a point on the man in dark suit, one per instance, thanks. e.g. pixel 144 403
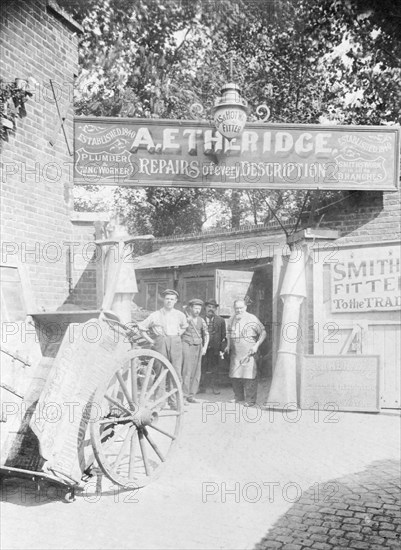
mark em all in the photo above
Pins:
pixel 217 343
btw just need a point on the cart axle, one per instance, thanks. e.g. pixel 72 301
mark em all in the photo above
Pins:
pixel 145 417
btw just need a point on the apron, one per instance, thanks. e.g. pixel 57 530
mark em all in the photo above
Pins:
pixel 242 365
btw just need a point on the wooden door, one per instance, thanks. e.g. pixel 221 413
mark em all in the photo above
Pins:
pixel 231 285
pixel 201 287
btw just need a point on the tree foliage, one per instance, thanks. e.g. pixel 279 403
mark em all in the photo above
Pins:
pixel 332 61
pixel 155 210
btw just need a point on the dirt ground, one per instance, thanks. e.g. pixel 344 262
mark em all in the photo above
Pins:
pixel 235 474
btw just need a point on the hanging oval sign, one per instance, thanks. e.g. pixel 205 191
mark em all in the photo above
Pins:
pixel 229 121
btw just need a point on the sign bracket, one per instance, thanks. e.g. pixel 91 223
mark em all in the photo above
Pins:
pixel 61 120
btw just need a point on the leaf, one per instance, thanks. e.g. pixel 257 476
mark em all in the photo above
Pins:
pixel 302 57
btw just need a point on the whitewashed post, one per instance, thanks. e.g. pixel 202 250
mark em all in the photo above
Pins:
pixel 283 390
pixel 120 276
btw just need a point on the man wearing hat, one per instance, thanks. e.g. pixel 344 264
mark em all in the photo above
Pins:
pixel 166 326
pixel 217 343
pixel 194 344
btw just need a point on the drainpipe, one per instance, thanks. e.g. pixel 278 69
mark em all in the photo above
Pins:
pixel 283 390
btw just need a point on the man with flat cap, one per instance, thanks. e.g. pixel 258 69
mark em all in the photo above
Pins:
pixel 166 326
pixel 216 326
pixel 194 344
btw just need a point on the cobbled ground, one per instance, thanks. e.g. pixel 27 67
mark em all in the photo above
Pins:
pixel 240 479
pixel 364 512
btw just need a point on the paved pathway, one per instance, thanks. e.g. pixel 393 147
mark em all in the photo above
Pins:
pixel 362 510
pixel 240 478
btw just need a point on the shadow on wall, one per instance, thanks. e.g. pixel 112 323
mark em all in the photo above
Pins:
pixel 360 510
pixel 347 212
pixel 84 293
pixel 260 294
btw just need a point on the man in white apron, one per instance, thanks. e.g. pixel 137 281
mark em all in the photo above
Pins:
pixel 245 334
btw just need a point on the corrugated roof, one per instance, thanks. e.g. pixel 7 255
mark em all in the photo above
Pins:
pixel 218 251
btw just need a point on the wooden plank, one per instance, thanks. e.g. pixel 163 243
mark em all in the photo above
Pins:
pixel 346 382
pixel 231 285
pixel 385 340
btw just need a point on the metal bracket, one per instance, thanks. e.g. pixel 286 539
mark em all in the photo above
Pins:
pixel 196 110
pixel 61 120
pixel 355 340
pixel 16 357
pixel 11 390
pixel 263 112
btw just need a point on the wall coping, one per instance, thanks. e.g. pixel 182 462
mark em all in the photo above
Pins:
pixel 366 244
pixel 89 217
pixel 311 233
pixel 61 14
pixel 227 233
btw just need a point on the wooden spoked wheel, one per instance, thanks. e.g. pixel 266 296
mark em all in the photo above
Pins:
pixel 138 419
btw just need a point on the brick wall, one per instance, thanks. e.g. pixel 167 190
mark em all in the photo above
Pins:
pixel 84 260
pixel 38 41
pixel 366 216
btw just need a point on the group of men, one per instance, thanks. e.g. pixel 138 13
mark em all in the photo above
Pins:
pixel 194 345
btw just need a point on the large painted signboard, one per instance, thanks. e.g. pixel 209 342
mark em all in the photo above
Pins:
pixel 366 279
pixel 144 152
pixel 341 382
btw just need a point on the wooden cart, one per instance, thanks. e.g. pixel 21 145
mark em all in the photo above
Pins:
pixel 107 400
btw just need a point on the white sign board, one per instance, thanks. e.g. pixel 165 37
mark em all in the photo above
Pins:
pixel 366 279
pixel 341 382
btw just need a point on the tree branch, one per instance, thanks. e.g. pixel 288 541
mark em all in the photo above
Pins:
pixel 277 218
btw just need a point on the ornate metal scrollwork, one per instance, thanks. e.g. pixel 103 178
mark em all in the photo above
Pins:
pixel 263 108
pixel 196 110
